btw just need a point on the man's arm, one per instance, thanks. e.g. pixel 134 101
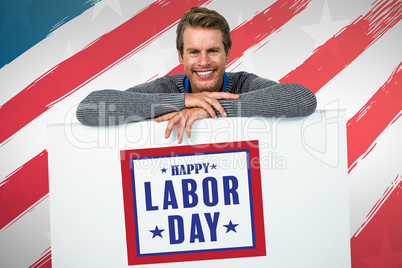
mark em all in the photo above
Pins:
pixel 278 100
pixel 258 97
pixel 144 101
pixel 114 107
pixel 149 100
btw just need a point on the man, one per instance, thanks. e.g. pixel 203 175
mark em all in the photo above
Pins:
pixel 203 45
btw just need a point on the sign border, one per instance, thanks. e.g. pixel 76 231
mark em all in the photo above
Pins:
pixel 259 248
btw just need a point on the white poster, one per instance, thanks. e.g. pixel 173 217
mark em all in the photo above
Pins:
pixel 266 192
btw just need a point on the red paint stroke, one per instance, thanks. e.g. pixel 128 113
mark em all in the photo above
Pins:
pixel 396 118
pixel 250 33
pixel 45 261
pixel 104 53
pixel 372 119
pixel 378 242
pixel 369 151
pixel 29 210
pixel 343 48
pixel 23 188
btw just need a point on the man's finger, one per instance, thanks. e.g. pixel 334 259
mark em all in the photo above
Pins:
pixel 180 127
pixel 207 106
pixel 172 122
pixel 213 102
pixel 189 125
pixel 222 95
pixel 165 117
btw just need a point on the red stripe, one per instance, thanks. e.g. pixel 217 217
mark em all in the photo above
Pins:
pixel 379 243
pixel 45 261
pixel 263 24
pixel 106 52
pixel 250 33
pixel 342 49
pixel 23 188
pixel 372 119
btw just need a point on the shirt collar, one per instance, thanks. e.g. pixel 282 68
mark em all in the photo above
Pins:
pixel 223 89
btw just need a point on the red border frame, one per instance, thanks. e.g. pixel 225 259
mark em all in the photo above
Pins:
pixel 259 250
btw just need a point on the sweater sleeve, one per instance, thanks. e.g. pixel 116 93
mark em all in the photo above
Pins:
pixel 273 100
pixel 114 107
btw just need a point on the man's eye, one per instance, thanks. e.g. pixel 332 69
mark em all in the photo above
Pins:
pixel 213 51
pixel 193 52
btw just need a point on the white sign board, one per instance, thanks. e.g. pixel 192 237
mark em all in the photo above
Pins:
pixel 265 192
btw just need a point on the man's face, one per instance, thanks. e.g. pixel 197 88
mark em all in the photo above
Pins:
pixel 204 59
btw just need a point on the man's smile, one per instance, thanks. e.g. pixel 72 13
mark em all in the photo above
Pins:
pixel 204 74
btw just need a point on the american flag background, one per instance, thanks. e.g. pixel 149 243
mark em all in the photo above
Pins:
pixel 54 53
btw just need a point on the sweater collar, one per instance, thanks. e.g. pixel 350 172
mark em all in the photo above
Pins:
pixel 223 89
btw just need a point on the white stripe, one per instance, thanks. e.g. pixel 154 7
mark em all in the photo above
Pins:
pixel 374 174
pixel 23 242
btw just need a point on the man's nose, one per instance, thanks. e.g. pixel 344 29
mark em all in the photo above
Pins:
pixel 203 59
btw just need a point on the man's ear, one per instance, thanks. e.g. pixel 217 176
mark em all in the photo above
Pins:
pixel 180 57
pixel 228 55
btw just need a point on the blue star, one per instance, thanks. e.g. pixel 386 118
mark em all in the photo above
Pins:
pixel 231 227
pixel 213 166
pixel 164 170
pixel 157 232
pixel 15 11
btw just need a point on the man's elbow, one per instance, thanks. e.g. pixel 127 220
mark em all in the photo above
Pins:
pixel 308 103
pixel 298 100
pixel 87 114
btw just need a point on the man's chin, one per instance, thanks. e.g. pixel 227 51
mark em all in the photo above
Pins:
pixel 206 88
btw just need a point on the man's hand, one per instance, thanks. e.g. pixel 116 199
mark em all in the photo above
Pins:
pixel 207 100
pixel 184 119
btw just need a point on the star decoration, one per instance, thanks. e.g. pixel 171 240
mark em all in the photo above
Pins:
pixel 15 12
pixel 326 28
pixel 100 6
pixel 47 235
pixel 164 170
pixel 387 257
pixel 247 60
pixel 155 50
pixel 213 166
pixel 157 232
pixel 69 50
pixel 231 227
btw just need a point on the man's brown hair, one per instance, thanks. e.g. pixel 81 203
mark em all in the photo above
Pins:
pixel 201 17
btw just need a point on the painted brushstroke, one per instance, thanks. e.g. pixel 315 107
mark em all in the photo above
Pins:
pixel 23 188
pixel 378 241
pixel 374 117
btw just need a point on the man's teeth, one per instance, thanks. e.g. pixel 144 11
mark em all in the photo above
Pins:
pixel 204 73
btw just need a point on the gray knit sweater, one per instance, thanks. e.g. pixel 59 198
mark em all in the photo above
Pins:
pixel 258 97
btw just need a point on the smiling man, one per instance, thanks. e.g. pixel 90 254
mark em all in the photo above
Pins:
pixel 204 58
pixel 203 44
